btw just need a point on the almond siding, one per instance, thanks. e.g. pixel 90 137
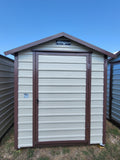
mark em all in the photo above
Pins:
pixel 25 84
pixel 6 94
pixel 25 105
pixel 62 121
pixel 97 85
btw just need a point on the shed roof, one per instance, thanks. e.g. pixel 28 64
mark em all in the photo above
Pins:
pixel 116 55
pixel 2 56
pixel 62 34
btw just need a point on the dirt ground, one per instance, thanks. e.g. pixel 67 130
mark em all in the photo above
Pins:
pixel 111 151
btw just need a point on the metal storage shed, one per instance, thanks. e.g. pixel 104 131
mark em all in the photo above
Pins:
pixel 6 94
pixel 60 92
pixel 113 90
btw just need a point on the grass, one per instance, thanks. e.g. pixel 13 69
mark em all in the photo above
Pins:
pixel 30 153
pixel 43 158
pixel 65 150
pixel 55 152
pixel 111 150
pixel 114 132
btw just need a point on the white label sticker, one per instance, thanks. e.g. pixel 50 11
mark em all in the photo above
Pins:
pixel 26 95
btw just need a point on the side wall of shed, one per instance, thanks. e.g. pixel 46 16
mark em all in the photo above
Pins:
pixel 25 84
pixel 6 94
pixel 113 106
pixel 115 110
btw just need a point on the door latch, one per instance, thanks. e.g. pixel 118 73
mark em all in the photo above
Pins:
pixel 37 100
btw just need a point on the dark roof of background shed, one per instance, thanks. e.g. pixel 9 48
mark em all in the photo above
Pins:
pixel 116 55
pixel 2 56
pixel 62 34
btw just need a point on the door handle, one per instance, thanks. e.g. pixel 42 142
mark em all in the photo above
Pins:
pixel 37 100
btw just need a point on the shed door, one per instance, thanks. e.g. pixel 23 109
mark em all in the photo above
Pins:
pixel 62 106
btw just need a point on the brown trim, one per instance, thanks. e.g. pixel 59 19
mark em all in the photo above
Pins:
pixel 37 101
pixel 61 143
pixel 60 51
pixel 110 90
pixel 16 101
pixel 105 99
pixel 34 98
pixel 63 53
pixel 88 97
pixel 81 42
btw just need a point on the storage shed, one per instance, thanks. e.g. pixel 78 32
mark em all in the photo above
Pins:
pixel 113 90
pixel 60 92
pixel 6 94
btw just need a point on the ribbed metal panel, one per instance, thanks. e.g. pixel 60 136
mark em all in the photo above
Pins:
pixel 114 106
pixel 6 94
pixel 108 89
pixel 115 111
pixel 67 67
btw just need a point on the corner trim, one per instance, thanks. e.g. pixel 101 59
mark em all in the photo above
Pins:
pixel 105 99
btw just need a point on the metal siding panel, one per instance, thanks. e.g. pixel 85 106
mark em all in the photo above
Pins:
pixel 25 105
pixel 115 112
pixel 60 74
pixel 6 94
pixel 55 98
pixel 52 46
pixel 61 81
pixel 97 84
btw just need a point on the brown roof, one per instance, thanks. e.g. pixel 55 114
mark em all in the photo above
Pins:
pixel 92 47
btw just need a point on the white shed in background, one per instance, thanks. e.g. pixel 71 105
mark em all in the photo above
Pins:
pixel 60 92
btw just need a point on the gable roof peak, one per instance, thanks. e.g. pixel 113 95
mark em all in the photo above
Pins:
pixel 62 34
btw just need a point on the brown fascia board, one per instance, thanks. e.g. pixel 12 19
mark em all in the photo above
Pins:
pixel 62 34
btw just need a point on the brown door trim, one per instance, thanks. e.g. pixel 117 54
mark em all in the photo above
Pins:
pixel 35 103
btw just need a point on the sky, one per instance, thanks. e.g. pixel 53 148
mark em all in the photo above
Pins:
pixel 94 21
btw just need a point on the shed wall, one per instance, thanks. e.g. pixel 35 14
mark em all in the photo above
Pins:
pixel 25 105
pixel 115 111
pixel 6 94
pixel 113 106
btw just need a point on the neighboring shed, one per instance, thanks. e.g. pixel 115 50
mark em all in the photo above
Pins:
pixel 113 89
pixel 6 94
pixel 60 92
